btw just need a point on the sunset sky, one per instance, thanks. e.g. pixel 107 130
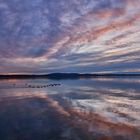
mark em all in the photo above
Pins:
pixel 85 36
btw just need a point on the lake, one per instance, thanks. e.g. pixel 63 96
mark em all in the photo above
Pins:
pixel 73 109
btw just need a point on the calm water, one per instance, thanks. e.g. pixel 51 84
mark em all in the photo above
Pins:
pixel 82 109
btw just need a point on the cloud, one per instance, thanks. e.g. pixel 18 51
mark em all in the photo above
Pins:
pixel 39 36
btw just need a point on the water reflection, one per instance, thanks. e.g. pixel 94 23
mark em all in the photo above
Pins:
pixel 84 109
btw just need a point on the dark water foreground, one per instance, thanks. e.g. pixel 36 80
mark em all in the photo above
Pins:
pixel 84 109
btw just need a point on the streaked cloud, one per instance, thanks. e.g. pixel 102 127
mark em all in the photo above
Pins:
pixel 39 36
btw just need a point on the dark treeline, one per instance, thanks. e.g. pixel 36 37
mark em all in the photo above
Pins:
pixel 64 76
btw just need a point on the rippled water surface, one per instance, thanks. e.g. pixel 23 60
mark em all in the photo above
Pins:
pixel 80 109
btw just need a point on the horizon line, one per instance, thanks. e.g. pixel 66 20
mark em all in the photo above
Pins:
pixel 66 76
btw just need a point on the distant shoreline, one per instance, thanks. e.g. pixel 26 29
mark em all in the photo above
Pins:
pixel 64 76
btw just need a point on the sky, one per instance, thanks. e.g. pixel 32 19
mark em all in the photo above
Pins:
pixel 85 36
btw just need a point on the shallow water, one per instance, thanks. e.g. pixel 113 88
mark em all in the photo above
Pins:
pixel 80 109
